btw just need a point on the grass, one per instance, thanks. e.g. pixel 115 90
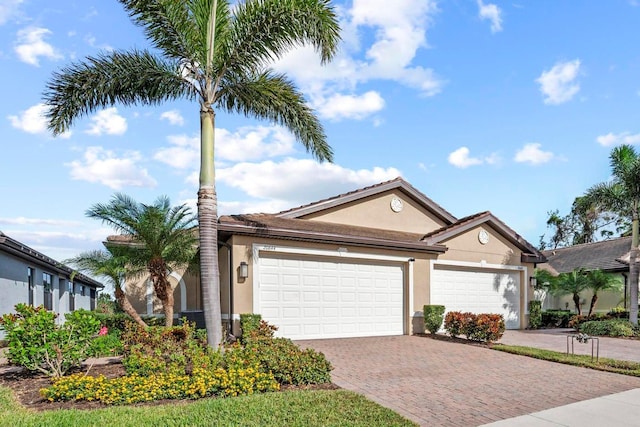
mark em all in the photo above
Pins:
pixel 295 408
pixel 603 364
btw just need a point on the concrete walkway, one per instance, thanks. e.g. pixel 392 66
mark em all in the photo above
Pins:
pixel 556 339
pixel 439 383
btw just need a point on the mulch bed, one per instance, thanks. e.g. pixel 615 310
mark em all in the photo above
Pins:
pixel 26 388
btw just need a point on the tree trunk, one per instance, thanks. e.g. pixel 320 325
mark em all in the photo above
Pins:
pixel 208 229
pixel 633 268
pixel 594 299
pixel 576 301
pixel 167 305
pixel 122 299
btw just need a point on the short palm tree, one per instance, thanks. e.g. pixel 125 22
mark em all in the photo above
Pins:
pixel 218 55
pixel 572 283
pixel 113 268
pixel 622 196
pixel 597 281
pixel 159 237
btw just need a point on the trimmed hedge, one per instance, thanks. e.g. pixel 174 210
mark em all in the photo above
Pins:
pixel 556 318
pixel 610 328
pixel 535 314
pixel 433 317
pixel 484 327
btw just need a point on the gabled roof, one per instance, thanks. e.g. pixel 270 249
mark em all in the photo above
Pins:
pixel 530 253
pixel 270 225
pixel 395 184
pixel 607 255
pixel 12 246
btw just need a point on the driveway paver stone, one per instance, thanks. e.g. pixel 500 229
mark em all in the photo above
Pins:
pixel 439 383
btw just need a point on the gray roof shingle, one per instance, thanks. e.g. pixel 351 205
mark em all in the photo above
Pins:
pixel 605 255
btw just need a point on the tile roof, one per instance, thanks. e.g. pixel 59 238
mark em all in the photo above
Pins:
pixel 396 183
pixel 275 226
pixel 605 255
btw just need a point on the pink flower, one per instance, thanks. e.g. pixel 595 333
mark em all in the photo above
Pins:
pixel 103 331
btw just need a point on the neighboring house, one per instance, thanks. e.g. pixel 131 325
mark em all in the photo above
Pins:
pixel 361 264
pixel 30 277
pixel 610 256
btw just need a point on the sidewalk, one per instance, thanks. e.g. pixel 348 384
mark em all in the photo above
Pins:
pixel 556 340
pixel 620 409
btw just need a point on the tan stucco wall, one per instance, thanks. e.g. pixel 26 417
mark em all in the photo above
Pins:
pixel 375 212
pixel 606 300
pixel 243 289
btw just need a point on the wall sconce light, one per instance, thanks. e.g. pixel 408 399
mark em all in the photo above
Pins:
pixel 244 270
pixel 533 281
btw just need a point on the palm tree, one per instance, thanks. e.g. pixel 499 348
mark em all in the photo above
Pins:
pixel 112 268
pixel 159 238
pixel 622 196
pixel 570 284
pixel 218 55
pixel 597 281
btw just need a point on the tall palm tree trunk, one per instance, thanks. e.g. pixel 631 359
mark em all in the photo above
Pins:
pixel 633 268
pixel 594 299
pixel 123 301
pixel 208 229
pixel 576 301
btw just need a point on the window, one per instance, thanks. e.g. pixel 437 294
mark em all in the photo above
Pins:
pixel 83 290
pixel 47 284
pixel 30 280
pixel 72 297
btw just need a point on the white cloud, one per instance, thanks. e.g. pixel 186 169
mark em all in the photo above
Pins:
pixel 492 13
pixel 356 107
pixel 247 143
pixel 8 9
pixel 38 221
pixel 30 46
pixel 33 120
pixel 103 166
pixel 107 121
pixel 460 158
pixel 279 182
pixel 558 84
pixel 618 139
pixel 173 117
pixel 398 32
pixel 531 153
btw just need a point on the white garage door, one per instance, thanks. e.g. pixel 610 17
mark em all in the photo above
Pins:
pixel 309 298
pixel 478 292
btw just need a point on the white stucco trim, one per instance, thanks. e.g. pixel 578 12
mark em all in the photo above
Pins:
pixel 524 281
pixel 183 291
pixel 149 298
pixel 225 316
pixel 412 311
pixel 339 252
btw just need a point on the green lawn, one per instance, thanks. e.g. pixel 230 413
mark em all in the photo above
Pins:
pixel 299 408
pixel 603 364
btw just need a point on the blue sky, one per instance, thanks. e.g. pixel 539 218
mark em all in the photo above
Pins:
pixel 507 106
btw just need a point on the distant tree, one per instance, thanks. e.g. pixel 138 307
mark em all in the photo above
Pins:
pixel 104 264
pixel 159 237
pixel 598 281
pixel 573 284
pixel 622 195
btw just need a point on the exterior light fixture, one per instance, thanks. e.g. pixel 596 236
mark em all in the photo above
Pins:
pixel 533 281
pixel 244 270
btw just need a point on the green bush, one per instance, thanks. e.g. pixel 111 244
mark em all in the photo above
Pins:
pixel 106 345
pixel 618 313
pixel 115 322
pixel 249 325
pixel 433 316
pixel 556 318
pixel 611 328
pixel 39 345
pixel 535 314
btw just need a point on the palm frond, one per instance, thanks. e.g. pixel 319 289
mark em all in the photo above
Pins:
pixel 264 30
pixel 136 77
pixel 273 97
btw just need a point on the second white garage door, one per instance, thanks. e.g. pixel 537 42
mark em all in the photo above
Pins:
pixel 478 291
pixel 311 298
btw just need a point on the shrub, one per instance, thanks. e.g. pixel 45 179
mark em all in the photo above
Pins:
pixel 106 345
pixel 612 328
pixel 619 313
pixel 39 345
pixel 576 320
pixel 535 314
pixel 142 388
pixel 433 316
pixel 482 327
pixel 556 318
pixel 115 322
pixel 252 326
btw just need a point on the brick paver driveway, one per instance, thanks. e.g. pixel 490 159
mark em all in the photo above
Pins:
pixel 439 383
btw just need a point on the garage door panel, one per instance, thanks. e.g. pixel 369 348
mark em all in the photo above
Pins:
pixel 478 291
pixel 326 299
